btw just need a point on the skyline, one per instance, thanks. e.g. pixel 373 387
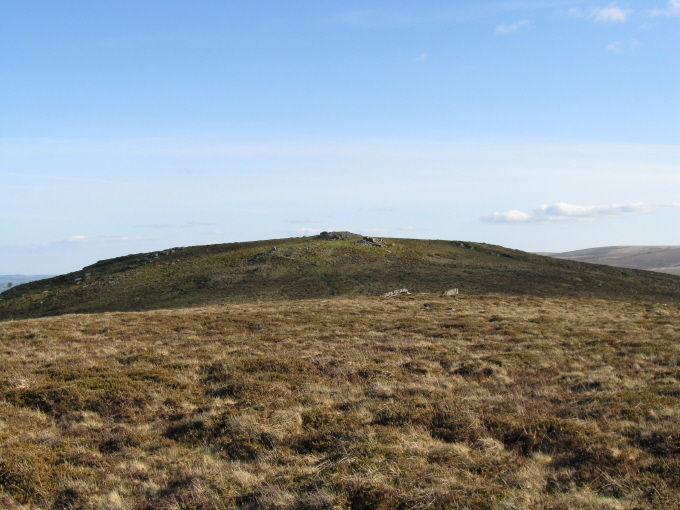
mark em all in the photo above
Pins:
pixel 135 127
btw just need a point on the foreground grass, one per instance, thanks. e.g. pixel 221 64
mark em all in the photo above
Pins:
pixel 413 402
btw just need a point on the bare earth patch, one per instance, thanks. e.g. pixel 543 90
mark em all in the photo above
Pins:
pixel 409 402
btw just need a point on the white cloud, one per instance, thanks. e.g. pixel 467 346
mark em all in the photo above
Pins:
pixel 76 239
pixel 561 212
pixel 610 14
pixel 511 29
pixel 421 57
pixel 575 13
pixel 513 216
pixel 672 10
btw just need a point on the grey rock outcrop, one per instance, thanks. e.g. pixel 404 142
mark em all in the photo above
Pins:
pixel 336 236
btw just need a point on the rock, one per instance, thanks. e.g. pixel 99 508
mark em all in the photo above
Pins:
pixel 370 241
pixel 336 236
pixel 396 293
pixel 450 292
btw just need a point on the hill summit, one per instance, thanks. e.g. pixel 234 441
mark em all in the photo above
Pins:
pixel 333 264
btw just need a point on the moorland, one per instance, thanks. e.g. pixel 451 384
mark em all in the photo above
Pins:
pixel 665 259
pixel 323 267
pixel 485 400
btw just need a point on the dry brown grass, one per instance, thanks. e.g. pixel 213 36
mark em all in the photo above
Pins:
pixel 414 402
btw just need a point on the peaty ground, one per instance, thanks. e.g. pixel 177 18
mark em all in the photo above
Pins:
pixel 411 402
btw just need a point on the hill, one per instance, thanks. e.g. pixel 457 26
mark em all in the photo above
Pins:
pixel 665 259
pixel 320 267
pixel 407 403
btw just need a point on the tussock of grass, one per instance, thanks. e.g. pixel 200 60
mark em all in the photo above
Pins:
pixel 405 403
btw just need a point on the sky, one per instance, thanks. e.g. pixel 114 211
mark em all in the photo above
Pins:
pixel 135 126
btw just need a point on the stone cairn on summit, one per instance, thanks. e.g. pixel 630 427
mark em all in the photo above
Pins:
pixel 336 236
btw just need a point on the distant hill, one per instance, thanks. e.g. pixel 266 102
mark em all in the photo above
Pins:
pixel 319 267
pixel 18 279
pixel 665 259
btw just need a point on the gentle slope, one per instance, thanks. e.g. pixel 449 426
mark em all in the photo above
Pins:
pixel 304 268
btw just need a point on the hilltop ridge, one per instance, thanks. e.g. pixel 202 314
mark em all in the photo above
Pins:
pixel 329 265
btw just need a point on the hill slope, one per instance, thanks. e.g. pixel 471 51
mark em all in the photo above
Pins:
pixel 347 404
pixel 665 259
pixel 301 268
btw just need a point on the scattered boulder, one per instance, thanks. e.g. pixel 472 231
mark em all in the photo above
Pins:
pixel 450 292
pixel 370 241
pixel 396 293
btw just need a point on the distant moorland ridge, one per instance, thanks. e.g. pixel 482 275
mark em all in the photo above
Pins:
pixel 8 281
pixel 330 265
pixel 665 259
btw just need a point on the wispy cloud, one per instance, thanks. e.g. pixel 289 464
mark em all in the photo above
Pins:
pixel 610 14
pixel 303 221
pixel 189 224
pixel 615 47
pixel 619 46
pixel 421 57
pixel 192 224
pixel 563 212
pixel 512 28
pixel 671 10
pixel 155 225
pixel 81 239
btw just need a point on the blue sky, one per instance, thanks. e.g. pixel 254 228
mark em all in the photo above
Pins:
pixel 128 127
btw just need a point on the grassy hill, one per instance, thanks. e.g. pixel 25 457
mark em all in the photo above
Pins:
pixel 665 259
pixel 305 268
pixel 407 403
